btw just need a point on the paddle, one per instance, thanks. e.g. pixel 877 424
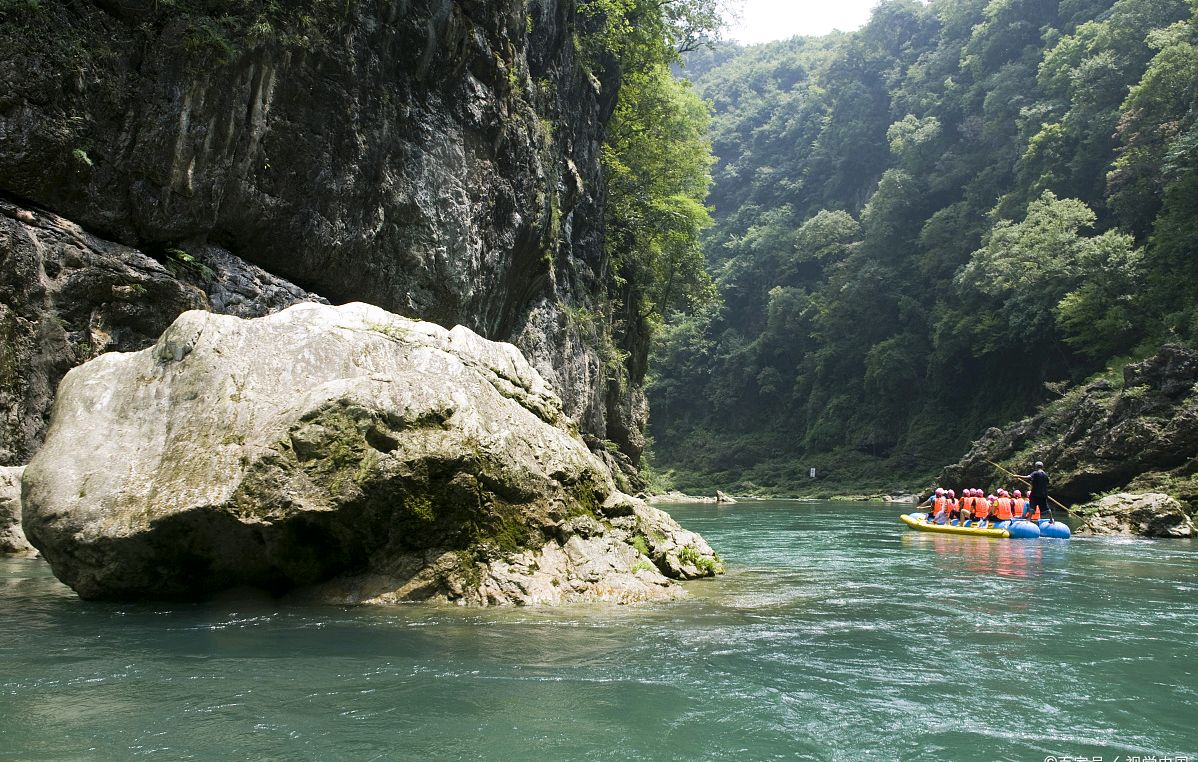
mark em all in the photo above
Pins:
pixel 1029 484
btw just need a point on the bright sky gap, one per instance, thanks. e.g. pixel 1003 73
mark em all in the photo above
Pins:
pixel 766 20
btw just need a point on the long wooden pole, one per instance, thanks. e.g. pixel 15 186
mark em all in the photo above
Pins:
pixel 1025 481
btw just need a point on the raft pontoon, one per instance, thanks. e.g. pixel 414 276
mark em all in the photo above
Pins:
pixel 1019 529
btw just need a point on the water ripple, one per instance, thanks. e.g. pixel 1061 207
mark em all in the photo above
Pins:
pixel 837 634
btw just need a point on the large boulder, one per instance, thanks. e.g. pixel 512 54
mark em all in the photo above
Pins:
pixel 12 538
pixel 1152 514
pixel 343 454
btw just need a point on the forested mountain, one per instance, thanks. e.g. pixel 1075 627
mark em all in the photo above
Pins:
pixel 929 227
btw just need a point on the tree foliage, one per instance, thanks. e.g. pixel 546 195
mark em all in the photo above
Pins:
pixel 920 224
pixel 656 158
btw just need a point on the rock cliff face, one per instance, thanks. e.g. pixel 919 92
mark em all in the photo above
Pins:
pixel 1138 434
pixel 12 537
pixel 438 158
pixel 67 296
pixel 343 453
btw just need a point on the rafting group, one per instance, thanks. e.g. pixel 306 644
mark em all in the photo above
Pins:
pixel 974 508
pixel 999 514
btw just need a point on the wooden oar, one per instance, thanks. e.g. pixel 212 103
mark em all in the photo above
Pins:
pixel 1029 484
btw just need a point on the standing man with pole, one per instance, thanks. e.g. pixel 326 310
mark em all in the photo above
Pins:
pixel 1038 497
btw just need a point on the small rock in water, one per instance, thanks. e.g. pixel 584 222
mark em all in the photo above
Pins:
pixel 1151 514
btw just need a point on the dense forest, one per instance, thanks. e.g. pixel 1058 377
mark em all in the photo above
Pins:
pixel 925 228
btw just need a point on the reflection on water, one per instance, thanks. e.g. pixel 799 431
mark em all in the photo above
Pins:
pixel 837 634
pixel 981 556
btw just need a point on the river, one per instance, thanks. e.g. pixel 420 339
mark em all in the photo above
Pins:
pixel 836 634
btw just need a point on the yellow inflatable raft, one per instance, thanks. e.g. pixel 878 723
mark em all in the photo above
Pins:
pixel 919 521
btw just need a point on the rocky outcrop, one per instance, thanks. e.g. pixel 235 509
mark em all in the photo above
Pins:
pixel 676 497
pixel 66 296
pixel 12 538
pixel 440 159
pixel 1139 433
pixel 343 454
pixel 1152 514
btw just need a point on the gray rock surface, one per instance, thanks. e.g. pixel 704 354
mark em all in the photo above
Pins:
pixel 678 497
pixel 440 159
pixel 66 296
pixel 1152 514
pixel 12 538
pixel 341 454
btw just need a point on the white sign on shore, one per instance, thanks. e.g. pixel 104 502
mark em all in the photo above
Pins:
pixel 813 473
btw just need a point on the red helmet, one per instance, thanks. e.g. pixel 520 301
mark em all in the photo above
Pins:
pixel 990 496
pixel 1018 493
pixel 940 490
pixel 951 493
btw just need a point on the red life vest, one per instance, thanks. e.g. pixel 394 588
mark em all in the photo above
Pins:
pixel 982 509
pixel 938 505
pixel 1035 514
pixel 1002 509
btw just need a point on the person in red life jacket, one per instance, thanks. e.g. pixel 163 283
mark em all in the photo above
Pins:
pixel 966 506
pixel 939 506
pixel 981 509
pixel 954 506
pixel 1002 507
pixel 1027 509
pixel 931 503
pixel 931 499
pixel 1017 505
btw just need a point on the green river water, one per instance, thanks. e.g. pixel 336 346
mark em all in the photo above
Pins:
pixel 837 634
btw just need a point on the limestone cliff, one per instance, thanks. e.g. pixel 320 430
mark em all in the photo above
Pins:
pixel 12 535
pixel 439 158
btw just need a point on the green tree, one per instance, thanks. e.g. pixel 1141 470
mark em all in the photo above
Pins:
pixel 1044 273
pixel 901 212
pixel 657 161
